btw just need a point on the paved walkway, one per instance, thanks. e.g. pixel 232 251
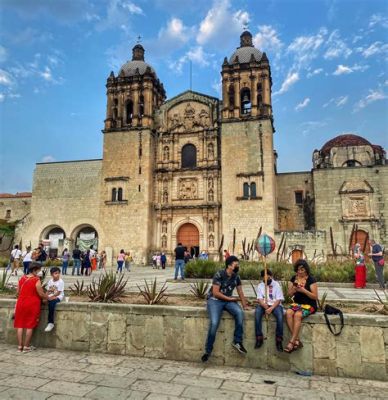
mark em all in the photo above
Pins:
pixel 138 274
pixel 64 375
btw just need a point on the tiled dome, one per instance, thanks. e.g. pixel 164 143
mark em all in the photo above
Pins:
pixel 246 50
pixel 344 141
pixel 129 68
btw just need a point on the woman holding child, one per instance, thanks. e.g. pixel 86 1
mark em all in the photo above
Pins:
pixel 304 290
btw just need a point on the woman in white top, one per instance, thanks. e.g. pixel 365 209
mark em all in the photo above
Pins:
pixel 27 259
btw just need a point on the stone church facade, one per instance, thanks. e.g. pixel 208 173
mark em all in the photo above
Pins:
pixel 199 170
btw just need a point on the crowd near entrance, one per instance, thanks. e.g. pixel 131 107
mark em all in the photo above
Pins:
pixel 188 235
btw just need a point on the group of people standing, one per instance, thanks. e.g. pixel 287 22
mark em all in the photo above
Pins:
pixel 26 257
pixel 124 259
pixel 84 262
pixel 159 260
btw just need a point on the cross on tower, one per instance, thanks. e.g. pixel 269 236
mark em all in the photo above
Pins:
pixel 138 39
pixel 245 26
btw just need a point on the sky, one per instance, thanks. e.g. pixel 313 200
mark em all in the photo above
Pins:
pixel 328 61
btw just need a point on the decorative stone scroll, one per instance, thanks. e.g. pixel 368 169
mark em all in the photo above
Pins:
pixel 189 119
pixel 188 188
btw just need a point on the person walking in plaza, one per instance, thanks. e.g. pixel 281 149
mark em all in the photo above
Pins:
pixel 76 260
pixel 127 261
pixel 179 261
pixel 163 260
pixel 93 261
pixel 154 258
pixel 376 252
pixel 269 298
pixel 360 268
pixel 102 261
pixel 220 299
pixel 27 310
pixel 16 255
pixel 304 290
pixel 158 261
pixel 65 261
pixel 86 265
pixel 120 261
pixel 55 294
pixel 27 259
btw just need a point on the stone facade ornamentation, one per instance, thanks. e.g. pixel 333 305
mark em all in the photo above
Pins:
pixel 188 188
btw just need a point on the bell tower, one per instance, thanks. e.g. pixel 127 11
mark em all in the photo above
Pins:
pixel 247 163
pixel 133 96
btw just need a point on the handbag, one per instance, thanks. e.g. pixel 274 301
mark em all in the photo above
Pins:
pixel 330 310
pixel 381 262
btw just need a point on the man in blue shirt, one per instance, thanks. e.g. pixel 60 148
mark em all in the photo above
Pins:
pixel 220 299
pixel 378 260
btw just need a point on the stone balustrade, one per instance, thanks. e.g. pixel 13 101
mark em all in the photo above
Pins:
pixel 178 333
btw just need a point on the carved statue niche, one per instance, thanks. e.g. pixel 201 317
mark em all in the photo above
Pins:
pixel 210 195
pixel 211 241
pixel 189 117
pixel 211 225
pixel 210 183
pixel 188 189
pixel 165 196
pixel 166 153
pixel 210 151
pixel 355 197
pixel 164 241
pixel 164 227
pixel 204 119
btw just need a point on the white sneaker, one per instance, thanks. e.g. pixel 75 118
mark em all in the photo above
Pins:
pixel 49 327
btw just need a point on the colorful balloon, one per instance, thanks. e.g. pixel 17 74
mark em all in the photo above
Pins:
pixel 265 245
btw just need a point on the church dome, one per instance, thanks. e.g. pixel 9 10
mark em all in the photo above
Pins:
pixel 246 50
pixel 137 65
pixel 344 141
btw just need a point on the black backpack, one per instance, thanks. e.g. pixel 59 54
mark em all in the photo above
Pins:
pixel 330 310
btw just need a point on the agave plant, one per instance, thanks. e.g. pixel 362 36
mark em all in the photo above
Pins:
pixel 79 288
pixel 4 278
pixel 152 294
pixel 108 289
pixel 383 309
pixel 200 289
pixel 322 302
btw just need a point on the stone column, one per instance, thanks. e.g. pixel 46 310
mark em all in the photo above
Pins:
pixel 254 110
pixel 135 104
pixel 225 96
pixel 237 105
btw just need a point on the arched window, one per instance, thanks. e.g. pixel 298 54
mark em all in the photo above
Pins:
pixel 114 194
pixel 164 227
pixel 259 100
pixel 245 101
pixel 164 241
pixel 141 106
pixel 166 153
pixel 231 96
pixel 189 156
pixel 253 190
pixel 351 163
pixel 120 194
pixel 211 225
pixel 246 190
pixel 115 113
pixel 129 112
pixel 210 195
pixel 210 151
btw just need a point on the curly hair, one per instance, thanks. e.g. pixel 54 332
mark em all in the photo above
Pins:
pixel 302 263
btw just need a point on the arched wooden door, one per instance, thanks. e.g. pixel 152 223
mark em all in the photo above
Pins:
pixel 188 235
pixel 361 237
pixel 296 255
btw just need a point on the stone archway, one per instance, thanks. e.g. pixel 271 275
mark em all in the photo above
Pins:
pixel 362 237
pixel 84 236
pixel 53 239
pixel 188 235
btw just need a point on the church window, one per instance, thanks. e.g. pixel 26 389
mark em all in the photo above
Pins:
pixel 129 112
pixel 259 100
pixel 351 163
pixel 211 195
pixel 245 100
pixel 299 197
pixel 164 227
pixel 189 156
pixel 246 190
pixel 120 194
pixel 210 151
pixel 139 188
pixel 114 194
pixel 231 96
pixel 259 87
pixel 115 113
pixel 166 153
pixel 8 214
pixel 164 241
pixel 141 106
pixel 211 225
pixel 139 170
pixel 253 190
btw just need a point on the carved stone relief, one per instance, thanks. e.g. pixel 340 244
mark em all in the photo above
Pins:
pixel 188 117
pixel 188 188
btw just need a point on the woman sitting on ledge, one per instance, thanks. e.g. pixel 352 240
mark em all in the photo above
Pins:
pixel 303 288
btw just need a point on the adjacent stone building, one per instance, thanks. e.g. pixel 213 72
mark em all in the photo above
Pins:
pixel 199 170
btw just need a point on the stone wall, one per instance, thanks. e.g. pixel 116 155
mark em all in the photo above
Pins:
pixel 14 208
pixel 178 333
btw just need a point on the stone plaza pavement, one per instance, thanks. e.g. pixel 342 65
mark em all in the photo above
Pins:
pixel 65 375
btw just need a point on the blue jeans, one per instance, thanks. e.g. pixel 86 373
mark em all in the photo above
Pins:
pixel 179 265
pixel 76 265
pixel 120 266
pixel 277 313
pixel 214 310
pixel 51 307
pixel 26 265
pixel 64 267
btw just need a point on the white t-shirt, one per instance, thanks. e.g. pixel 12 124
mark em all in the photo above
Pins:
pixel 56 286
pixel 274 292
pixel 16 253
pixel 92 253
pixel 27 257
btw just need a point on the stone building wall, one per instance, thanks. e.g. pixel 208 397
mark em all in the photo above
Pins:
pixel 291 215
pixel 347 196
pixel 247 157
pixel 65 195
pixel 178 333
pixel 14 207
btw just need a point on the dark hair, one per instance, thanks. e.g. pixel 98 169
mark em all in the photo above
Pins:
pixel 230 260
pixel 269 272
pixel 302 263
pixel 34 265
pixel 16 246
pixel 179 244
pixel 54 269
pixel 122 251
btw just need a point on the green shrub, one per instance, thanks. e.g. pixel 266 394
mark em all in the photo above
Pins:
pixel 202 269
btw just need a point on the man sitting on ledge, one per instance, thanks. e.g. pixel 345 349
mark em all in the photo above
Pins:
pixel 220 299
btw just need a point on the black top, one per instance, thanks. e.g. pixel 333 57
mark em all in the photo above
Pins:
pixel 376 248
pixel 301 298
pixel 77 254
pixel 226 283
pixel 180 253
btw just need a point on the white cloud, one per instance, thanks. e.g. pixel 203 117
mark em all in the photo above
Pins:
pixel 303 104
pixel 309 126
pixel 221 25
pixel 6 78
pixel 118 15
pixel 47 75
pixel 316 71
pixel 48 159
pixel 2 97
pixel 291 79
pixel 3 54
pixel 344 69
pixel 196 55
pixel 267 40
pixel 132 8
pixel 338 101
pixel 378 19
pixel 374 48
pixel 374 95
pixel 336 47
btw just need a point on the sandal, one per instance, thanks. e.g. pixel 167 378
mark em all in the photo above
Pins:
pixel 297 344
pixel 20 349
pixel 29 349
pixel 290 347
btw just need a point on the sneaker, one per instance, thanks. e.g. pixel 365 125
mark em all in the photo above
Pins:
pixel 205 357
pixel 239 347
pixel 259 342
pixel 279 346
pixel 49 327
